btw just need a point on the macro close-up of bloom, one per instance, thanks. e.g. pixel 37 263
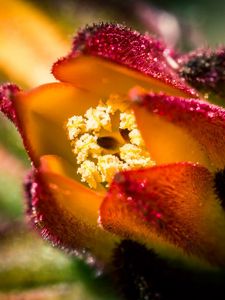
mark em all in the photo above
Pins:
pixel 127 154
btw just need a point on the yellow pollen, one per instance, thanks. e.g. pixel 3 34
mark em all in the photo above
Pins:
pixel 106 140
pixel 135 138
pixel 108 165
pixel 127 121
pixel 75 126
pixel 134 156
pixel 86 146
pixel 97 118
pixel 89 173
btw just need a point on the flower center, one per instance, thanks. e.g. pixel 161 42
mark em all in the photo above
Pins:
pixel 106 140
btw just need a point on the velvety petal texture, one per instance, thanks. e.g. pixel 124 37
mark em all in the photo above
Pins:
pixel 172 203
pixel 125 47
pixel 173 206
pixel 66 212
pixel 7 92
pixel 204 69
pixel 203 122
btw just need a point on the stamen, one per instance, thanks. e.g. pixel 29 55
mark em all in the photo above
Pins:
pixel 75 126
pixel 134 156
pixel 135 138
pixel 86 146
pixel 106 140
pixel 127 121
pixel 89 173
pixel 97 118
pixel 108 165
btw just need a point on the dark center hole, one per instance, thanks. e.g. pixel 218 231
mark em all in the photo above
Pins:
pixel 107 142
pixel 125 134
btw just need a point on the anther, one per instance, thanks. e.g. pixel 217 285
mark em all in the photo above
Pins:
pixel 105 141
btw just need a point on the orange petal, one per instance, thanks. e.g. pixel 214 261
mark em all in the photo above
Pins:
pixel 66 212
pixel 42 114
pixel 180 129
pixel 110 58
pixel 105 78
pixel 168 205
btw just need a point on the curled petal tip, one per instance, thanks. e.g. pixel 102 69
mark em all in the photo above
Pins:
pixel 202 121
pixel 121 45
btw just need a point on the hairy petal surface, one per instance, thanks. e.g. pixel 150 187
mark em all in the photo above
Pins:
pixel 66 212
pixel 204 69
pixel 203 122
pixel 7 92
pixel 173 204
pixel 124 47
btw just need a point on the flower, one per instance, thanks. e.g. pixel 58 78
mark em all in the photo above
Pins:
pixel 123 148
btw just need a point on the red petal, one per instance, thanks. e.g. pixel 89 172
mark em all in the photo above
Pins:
pixel 7 92
pixel 123 46
pixel 202 121
pixel 66 212
pixel 173 204
pixel 204 69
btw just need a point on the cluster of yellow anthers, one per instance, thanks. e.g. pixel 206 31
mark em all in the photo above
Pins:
pixel 106 140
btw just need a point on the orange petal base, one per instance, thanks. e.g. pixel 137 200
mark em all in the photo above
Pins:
pixel 66 212
pixel 168 204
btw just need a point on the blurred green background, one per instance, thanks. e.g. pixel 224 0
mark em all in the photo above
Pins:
pixel 33 34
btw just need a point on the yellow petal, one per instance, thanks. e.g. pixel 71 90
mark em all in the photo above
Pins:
pixel 42 114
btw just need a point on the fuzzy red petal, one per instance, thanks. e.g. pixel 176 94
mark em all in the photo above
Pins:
pixel 204 69
pixel 65 212
pixel 123 46
pixel 202 121
pixel 7 92
pixel 173 203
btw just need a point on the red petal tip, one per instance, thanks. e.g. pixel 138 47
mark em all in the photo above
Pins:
pixel 204 121
pixel 124 46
